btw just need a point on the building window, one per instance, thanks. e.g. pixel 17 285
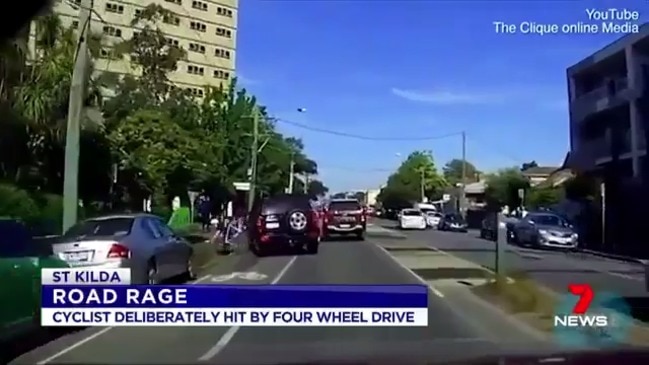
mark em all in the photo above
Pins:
pixel 195 70
pixel 195 91
pixel 222 53
pixel 177 2
pixel 224 32
pixel 108 53
pixel 77 2
pixel 75 24
pixel 172 42
pixel 199 5
pixel 195 47
pixel 114 8
pixel 112 31
pixel 198 26
pixel 138 12
pixel 170 19
pixel 220 74
pixel 224 12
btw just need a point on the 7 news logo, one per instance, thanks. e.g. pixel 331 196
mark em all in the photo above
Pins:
pixel 580 316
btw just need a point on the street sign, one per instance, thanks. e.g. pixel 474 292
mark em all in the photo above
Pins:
pixel 192 196
pixel 521 193
pixel 446 197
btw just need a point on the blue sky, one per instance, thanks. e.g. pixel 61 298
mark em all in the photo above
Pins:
pixel 389 68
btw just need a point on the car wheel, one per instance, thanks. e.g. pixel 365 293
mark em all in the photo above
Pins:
pixel 152 273
pixel 360 236
pixel 189 274
pixel 297 221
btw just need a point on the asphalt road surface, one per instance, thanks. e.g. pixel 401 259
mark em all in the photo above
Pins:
pixel 555 269
pixel 452 333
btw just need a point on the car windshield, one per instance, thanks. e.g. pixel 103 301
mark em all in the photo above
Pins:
pixel 411 213
pixel 101 227
pixel 454 218
pixel 548 220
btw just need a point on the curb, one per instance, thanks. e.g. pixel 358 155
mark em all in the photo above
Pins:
pixel 613 256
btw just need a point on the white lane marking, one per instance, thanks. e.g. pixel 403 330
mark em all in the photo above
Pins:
pixel 419 278
pixel 97 334
pixel 232 331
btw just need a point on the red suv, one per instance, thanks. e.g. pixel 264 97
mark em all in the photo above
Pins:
pixel 345 217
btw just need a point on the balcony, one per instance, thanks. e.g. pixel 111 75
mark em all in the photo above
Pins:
pixel 600 99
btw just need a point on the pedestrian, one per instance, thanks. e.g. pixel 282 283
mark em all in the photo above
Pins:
pixel 205 208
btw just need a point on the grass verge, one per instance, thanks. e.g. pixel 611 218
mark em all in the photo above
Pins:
pixel 534 304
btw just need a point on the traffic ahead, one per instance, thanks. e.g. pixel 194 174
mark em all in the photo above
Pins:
pixel 459 327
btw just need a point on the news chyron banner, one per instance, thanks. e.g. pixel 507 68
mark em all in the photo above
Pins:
pixel 90 297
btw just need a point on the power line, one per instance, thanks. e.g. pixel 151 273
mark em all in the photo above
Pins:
pixel 363 137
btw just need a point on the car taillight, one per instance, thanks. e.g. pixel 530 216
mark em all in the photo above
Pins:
pixel 118 251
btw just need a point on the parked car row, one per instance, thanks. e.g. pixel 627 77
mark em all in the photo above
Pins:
pixel 142 242
pixel 541 229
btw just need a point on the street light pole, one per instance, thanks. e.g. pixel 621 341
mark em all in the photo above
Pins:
pixel 291 174
pixel 463 186
pixel 75 111
pixel 254 150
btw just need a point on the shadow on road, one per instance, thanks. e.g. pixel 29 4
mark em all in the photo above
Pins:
pixel 639 307
pixel 31 340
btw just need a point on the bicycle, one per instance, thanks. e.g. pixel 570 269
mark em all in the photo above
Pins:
pixel 233 229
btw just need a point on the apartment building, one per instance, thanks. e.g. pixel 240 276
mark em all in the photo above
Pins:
pixel 205 29
pixel 609 117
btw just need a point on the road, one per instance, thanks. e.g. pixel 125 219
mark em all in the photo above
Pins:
pixel 553 269
pixel 458 328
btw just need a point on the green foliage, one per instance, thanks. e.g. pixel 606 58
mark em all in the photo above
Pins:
pixel 502 187
pixel 543 197
pixel 453 172
pixel 155 140
pixel 404 186
pixel 317 188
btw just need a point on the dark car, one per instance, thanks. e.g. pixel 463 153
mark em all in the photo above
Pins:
pixel 345 217
pixel 452 222
pixel 489 227
pixel 284 222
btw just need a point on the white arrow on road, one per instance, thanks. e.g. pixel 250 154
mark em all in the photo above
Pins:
pixel 251 276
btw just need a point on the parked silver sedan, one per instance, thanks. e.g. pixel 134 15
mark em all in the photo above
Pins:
pixel 142 242
pixel 545 230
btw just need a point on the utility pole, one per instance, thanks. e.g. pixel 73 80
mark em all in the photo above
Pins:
pixel 463 185
pixel 291 174
pixel 422 187
pixel 254 151
pixel 75 112
pixel 306 183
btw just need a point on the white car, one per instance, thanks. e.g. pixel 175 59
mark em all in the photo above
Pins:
pixel 433 218
pixel 412 219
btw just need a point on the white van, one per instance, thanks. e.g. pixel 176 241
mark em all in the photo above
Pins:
pixel 430 212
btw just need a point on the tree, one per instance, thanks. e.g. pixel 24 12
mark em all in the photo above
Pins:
pixel 453 171
pixel 160 139
pixel 317 188
pixel 360 196
pixel 529 165
pixel 503 186
pixel 543 197
pixel 404 186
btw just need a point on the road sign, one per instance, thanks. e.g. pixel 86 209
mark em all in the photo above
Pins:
pixel 446 197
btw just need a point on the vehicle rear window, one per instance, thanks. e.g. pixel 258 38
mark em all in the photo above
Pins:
pixel 103 227
pixel 411 212
pixel 347 206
